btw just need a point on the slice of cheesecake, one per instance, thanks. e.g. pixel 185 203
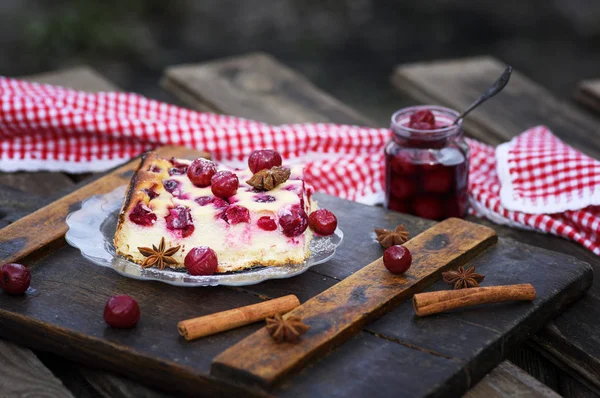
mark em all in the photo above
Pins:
pixel 252 227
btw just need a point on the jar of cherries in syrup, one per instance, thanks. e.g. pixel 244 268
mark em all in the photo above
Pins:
pixel 427 163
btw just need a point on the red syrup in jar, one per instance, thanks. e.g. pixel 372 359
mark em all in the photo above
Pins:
pixel 427 164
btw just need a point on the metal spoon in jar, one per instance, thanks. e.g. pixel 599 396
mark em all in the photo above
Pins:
pixel 489 93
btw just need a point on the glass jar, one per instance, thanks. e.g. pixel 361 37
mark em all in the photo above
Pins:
pixel 427 170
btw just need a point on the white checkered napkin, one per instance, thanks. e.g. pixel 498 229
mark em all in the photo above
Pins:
pixel 581 226
pixel 44 127
pixel 540 174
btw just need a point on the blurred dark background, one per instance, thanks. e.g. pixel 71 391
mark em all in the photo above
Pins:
pixel 347 47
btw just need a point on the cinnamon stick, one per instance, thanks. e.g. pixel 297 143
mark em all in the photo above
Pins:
pixel 445 300
pixel 221 321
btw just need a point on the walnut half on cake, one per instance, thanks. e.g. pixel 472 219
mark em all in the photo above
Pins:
pixel 262 222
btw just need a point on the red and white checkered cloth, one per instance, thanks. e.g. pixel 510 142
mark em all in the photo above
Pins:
pixel 536 171
pixel 540 174
pixel 45 127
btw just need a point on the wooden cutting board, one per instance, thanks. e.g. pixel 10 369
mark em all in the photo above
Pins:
pixel 395 355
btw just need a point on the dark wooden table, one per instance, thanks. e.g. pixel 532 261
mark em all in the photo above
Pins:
pixel 254 86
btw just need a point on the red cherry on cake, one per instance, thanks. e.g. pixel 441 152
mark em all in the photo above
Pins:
pixel 293 221
pixel 220 203
pixel 397 259
pixel 14 278
pixel 322 221
pixel 266 223
pixel 142 215
pixel 201 260
pixel 150 192
pixel 121 312
pixel 179 169
pixel 428 207
pixel 172 187
pixel 204 200
pixel 264 159
pixel 423 118
pixel 224 184
pixel 237 214
pixel 180 219
pixel 264 198
pixel 201 171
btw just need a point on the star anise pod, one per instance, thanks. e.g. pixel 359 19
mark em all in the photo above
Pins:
pixel 268 179
pixel 289 329
pixel 387 238
pixel 159 256
pixel 462 278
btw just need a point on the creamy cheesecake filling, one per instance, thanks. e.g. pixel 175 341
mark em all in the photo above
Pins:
pixel 190 216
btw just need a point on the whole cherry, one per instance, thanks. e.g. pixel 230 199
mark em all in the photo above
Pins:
pixel 121 312
pixel 437 181
pixel 201 260
pixel 224 184
pixel 424 117
pixel 428 206
pixel 397 259
pixel 14 278
pixel 201 171
pixel 323 222
pixel 264 159
pixel 142 215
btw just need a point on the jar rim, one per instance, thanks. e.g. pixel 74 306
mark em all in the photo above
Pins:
pixel 426 134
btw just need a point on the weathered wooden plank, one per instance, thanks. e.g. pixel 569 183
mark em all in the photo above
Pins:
pixel 507 380
pixel 82 78
pixel 260 85
pixel 522 104
pixel 39 183
pixel 588 93
pixel 23 375
pixel 342 310
pixel 190 93
pixel 17 241
pixel 110 385
pixel 545 370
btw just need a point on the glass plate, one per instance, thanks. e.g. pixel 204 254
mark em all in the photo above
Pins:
pixel 91 230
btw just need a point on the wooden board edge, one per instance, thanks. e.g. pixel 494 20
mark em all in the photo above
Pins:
pixel 179 81
pixel 25 375
pixel 81 77
pixel 174 87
